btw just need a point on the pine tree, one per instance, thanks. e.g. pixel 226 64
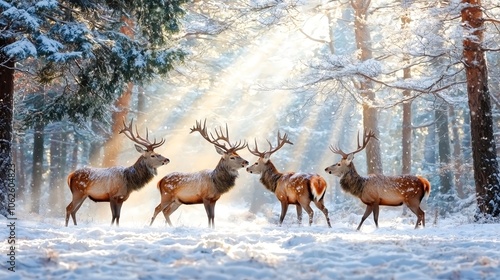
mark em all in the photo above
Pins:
pixel 486 169
pixel 78 45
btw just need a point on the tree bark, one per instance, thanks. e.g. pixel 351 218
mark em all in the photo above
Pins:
pixel 444 152
pixel 112 146
pixel 370 113
pixel 141 105
pixel 457 155
pixel 20 161
pixel 95 146
pixel 36 178
pixel 58 160
pixel 75 153
pixel 6 117
pixel 406 143
pixel 486 173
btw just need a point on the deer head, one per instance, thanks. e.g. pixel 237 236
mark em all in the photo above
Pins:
pixel 344 165
pixel 150 157
pixel 229 153
pixel 264 156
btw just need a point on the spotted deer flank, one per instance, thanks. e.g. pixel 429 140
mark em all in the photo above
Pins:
pixel 205 186
pixel 115 184
pixel 290 188
pixel 378 189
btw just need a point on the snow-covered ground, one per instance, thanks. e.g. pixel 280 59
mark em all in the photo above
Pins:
pixel 245 246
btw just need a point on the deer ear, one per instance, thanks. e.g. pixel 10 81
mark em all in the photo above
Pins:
pixel 267 156
pixel 139 149
pixel 349 158
pixel 219 150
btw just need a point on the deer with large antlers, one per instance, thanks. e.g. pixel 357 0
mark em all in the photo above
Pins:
pixel 377 189
pixel 290 188
pixel 205 186
pixel 115 184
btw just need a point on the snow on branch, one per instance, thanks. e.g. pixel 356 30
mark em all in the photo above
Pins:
pixel 64 57
pixel 21 17
pixel 21 49
pixel 338 66
pixel 47 45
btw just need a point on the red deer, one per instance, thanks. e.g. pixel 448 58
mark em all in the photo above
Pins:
pixel 115 184
pixel 290 188
pixel 205 186
pixel 377 189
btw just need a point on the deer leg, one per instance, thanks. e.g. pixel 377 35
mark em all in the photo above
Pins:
pixel 367 213
pixel 118 208
pixel 169 210
pixel 323 209
pixel 212 211
pixel 73 213
pixel 69 211
pixel 309 211
pixel 73 207
pixel 209 208
pixel 163 204
pixel 284 208
pixel 157 211
pixel 420 215
pixel 112 204
pixel 375 214
pixel 299 213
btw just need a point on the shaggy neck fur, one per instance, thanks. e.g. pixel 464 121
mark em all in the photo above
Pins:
pixel 352 182
pixel 224 177
pixel 138 175
pixel 269 177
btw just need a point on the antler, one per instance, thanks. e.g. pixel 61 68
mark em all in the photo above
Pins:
pixel 366 138
pixel 127 130
pixel 220 136
pixel 338 151
pixel 281 142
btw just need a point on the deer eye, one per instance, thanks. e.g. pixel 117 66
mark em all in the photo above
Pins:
pixel 153 155
pixel 232 158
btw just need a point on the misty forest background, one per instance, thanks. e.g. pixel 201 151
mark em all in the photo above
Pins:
pixel 412 71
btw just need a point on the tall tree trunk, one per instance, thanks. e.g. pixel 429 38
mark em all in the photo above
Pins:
pixel 58 159
pixel 55 164
pixel 75 153
pixel 95 147
pixel 444 152
pixel 430 148
pixel 6 118
pixel 20 162
pixel 141 105
pixel 406 141
pixel 112 146
pixel 406 126
pixel 484 155
pixel 36 178
pixel 370 113
pixel 457 155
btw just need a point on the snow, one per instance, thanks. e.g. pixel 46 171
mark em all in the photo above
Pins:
pixel 247 246
pixel 21 49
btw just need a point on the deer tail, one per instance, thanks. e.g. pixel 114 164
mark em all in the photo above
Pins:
pixel 427 185
pixel 70 177
pixel 317 185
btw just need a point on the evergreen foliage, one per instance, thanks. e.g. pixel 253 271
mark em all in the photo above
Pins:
pixel 79 46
